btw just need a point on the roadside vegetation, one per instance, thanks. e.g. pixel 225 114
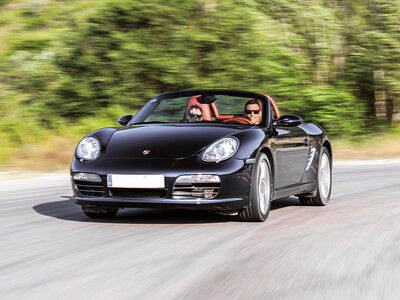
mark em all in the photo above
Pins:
pixel 67 67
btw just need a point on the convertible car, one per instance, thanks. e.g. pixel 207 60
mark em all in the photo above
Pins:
pixel 203 149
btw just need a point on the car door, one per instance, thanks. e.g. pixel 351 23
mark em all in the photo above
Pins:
pixel 292 146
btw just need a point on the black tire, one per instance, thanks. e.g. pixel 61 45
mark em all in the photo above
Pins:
pixel 102 213
pixel 324 182
pixel 261 192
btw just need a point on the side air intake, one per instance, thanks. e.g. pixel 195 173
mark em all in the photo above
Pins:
pixel 310 158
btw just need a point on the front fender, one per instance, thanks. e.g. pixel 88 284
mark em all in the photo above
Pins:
pixel 250 141
pixel 103 135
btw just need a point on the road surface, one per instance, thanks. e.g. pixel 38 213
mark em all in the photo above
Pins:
pixel 349 249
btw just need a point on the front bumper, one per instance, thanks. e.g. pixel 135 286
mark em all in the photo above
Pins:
pixel 201 204
pixel 233 192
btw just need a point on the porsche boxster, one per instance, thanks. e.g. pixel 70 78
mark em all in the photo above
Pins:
pixel 220 150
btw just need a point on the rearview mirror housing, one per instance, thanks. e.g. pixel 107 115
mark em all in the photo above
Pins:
pixel 206 99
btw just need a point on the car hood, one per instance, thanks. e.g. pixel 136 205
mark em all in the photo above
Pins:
pixel 165 141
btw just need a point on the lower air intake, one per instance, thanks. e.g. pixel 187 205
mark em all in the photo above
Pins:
pixel 93 189
pixel 195 190
pixel 138 193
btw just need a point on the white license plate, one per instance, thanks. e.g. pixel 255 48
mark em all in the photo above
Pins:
pixel 135 181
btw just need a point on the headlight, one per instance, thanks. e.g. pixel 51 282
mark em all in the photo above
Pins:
pixel 88 148
pixel 221 150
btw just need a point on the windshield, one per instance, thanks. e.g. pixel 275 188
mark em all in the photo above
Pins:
pixel 240 108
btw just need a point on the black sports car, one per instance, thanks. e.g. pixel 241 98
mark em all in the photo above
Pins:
pixel 221 150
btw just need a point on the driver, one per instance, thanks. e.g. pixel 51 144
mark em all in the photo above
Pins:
pixel 252 111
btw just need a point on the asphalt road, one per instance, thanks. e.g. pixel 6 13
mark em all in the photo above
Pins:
pixel 349 249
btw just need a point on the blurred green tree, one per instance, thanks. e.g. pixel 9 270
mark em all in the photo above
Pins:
pixel 373 66
pixel 126 52
pixel 330 61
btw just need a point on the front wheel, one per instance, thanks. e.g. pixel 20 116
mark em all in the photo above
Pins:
pixel 261 192
pixel 324 182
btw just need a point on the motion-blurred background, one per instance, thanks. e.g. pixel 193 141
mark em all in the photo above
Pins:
pixel 68 67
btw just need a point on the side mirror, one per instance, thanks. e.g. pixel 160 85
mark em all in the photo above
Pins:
pixel 288 120
pixel 124 120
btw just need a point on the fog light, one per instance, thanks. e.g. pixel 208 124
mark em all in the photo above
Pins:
pixel 87 177
pixel 208 193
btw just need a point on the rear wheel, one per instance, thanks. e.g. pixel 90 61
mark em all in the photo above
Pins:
pixel 99 212
pixel 324 182
pixel 261 192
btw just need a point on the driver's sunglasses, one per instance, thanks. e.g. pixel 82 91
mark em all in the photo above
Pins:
pixel 252 111
pixel 196 115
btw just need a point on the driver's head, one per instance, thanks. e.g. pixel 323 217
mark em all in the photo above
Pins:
pixel 194 114
pixel 252 111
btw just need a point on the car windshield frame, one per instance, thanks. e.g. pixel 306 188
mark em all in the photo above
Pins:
pixel 151 105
